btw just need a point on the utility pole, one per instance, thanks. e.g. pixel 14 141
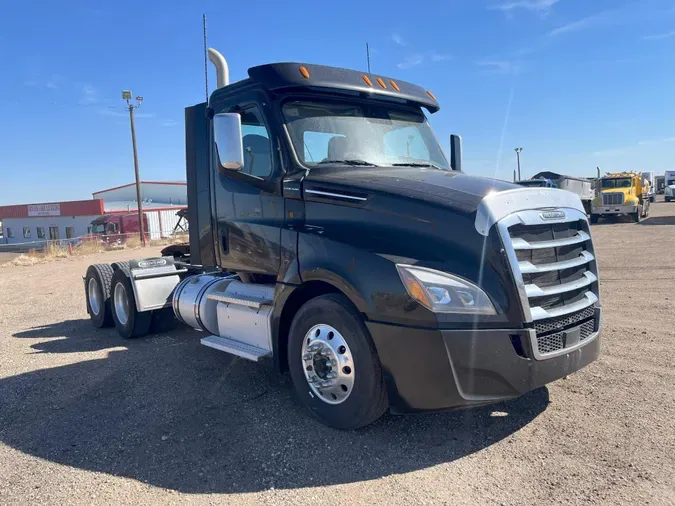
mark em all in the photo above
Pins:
pixel 518 151
pixel 368 56
pixel 126 95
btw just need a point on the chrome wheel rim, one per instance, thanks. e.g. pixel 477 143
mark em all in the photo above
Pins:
pixel 328 364
pixel 94 295
pixel 121 301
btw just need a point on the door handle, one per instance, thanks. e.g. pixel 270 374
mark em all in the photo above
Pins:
pixel 224 242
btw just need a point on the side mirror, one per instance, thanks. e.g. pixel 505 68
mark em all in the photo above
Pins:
pixel 456 153
pixel 228 140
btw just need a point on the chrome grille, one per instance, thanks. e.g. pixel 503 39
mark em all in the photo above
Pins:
pixel 612 199
pixel 551 343
pixel 553 324
pixel 554 263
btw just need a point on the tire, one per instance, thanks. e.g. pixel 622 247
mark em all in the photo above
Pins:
pixel 366 401
pixel 163 320
pixel 594 219
pixel 637 217
pixel 128 321
pixel 99 280
pixel 667 199
pixel 652 199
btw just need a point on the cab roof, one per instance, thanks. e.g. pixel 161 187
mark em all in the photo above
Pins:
pixel 282 76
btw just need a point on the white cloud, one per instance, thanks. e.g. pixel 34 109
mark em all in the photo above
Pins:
pixel 611 152
pixel 398 39
pixel 414 59
pixel 652 142
pixel 89 95
pixel 499 66
pixel 410 61
pixel 434 56
pixel 530 5
pixel 125 114
pixel 659 36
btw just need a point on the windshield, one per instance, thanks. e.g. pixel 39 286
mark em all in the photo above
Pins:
pixel 98 229
pixel 623 182
pixel 361 134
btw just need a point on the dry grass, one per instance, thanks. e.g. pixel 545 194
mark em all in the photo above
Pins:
pixel 55 251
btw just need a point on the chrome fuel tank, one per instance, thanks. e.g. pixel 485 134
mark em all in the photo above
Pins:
pixel 191 305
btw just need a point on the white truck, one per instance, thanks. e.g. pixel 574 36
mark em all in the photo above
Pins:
pixel 669 190
pixel 651 177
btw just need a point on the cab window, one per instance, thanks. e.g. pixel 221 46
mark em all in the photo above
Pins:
pixel 256 143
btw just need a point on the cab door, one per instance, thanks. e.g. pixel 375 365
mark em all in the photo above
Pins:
pixel 249 207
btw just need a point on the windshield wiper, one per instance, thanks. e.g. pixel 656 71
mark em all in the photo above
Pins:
pixel 350 162
pixel 414 164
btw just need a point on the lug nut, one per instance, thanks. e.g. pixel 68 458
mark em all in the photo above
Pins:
pixel 307 356
pixel 331 375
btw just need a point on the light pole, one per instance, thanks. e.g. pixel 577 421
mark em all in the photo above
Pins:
pixel 518 151
pixel 126 95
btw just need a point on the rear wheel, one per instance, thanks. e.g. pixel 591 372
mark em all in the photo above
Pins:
pixel 333 364
pixel 128 321
pixel 98 282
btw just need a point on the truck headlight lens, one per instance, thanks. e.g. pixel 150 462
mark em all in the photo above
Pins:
pixel 444 293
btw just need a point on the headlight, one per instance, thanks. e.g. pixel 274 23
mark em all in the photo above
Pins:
pixel 444 293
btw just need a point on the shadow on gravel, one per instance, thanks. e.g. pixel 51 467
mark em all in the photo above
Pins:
pixel 659 220
pixel 172 413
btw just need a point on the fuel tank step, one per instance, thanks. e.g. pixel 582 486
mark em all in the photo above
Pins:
pixel 238 348
pixel 241 299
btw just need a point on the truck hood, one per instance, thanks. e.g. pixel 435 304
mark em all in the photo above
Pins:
pixel 454 190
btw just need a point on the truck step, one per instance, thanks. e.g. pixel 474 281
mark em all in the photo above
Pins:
pixel 250 300
pixel 240 349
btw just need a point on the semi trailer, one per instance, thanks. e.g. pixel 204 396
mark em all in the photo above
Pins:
pixel 330 234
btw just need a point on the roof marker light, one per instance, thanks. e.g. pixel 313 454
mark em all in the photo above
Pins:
pixel 304 72
pixel 431 95
pixel 394 85
pixel 381 83
pixel 367 80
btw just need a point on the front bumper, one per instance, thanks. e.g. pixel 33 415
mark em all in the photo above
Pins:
pixel 612 209
pixel 429 370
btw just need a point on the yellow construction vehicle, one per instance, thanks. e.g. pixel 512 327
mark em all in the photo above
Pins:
pixel 621 193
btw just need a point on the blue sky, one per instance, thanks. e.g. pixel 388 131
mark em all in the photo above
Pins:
pixel 577 83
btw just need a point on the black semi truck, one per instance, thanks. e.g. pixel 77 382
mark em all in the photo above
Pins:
pixel 329 232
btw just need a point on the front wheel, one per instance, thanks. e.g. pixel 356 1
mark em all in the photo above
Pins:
pixel 667 199
pixel 129 322
pixel 595 218
pixel 333 364
pixel 637 216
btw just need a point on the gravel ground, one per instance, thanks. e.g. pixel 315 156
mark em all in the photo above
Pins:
pixel 86 417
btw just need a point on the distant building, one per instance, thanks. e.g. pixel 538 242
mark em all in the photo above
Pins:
pixel 37 223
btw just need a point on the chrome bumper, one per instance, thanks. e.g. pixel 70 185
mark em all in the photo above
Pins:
pixel 623 209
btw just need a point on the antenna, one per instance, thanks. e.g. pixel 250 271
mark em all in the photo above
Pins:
pixel 368 56
pixel 206 61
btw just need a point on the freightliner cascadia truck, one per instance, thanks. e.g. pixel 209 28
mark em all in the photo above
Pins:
pixel 330 234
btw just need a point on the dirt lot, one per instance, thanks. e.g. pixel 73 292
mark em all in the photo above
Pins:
pixel 86 417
